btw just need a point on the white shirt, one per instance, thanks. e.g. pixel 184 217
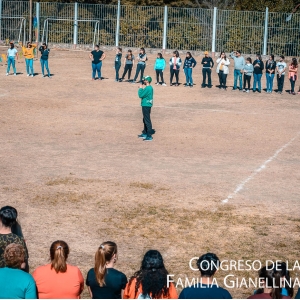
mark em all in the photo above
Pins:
pixel 281 65
pixel 12 52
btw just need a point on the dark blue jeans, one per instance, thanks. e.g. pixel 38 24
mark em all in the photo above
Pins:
pixel 117 68
pixel 139 68
pixel 257 81
pixel 96 67
pixel 206 72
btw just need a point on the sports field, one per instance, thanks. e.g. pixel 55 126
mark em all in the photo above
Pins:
pixel 71 163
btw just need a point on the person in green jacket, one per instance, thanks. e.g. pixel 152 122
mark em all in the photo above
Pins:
pixel 145 92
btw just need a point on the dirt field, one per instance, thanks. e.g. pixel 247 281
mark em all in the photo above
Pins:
pixel 71 163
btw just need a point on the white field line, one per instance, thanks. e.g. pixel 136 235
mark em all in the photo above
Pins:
pixel 241 186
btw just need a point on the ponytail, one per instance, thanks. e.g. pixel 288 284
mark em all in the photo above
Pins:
pixel 59 252
pixel 103 255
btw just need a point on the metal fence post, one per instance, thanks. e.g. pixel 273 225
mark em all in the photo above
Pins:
pixel 118 23
pixel 165 29
pixel 38 21
pixel 213 43
pixel 266 32
pixel 0 19
pixel 75 34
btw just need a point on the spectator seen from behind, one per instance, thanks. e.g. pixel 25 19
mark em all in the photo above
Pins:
pixel 239 64
pixel 206 289
pixel 15 283
pixel 150 280
pixel 104 281
pixel 58 279
pixel 8 219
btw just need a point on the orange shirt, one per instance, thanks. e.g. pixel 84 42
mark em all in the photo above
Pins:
pixel 129 292
pixel 58 285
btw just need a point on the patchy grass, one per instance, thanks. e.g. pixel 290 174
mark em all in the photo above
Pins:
pixel 141 185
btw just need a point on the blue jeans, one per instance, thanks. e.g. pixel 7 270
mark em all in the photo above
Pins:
pixel 188 76
pixel 44 64
pixel 96 67
pixel 257 80
pixel 11 61
pixel 238 75
pixel 29 66
pixel 270 79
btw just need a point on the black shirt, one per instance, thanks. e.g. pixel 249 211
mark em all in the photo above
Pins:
pixel 118 59
pixel 204 291
pixel 44 53
pixel 258 70
pixel 115 281
pixel 209 62
pixel 270 65
pixel 96 56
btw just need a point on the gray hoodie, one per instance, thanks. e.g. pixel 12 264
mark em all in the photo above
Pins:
pixel 239 62
pixel 248 68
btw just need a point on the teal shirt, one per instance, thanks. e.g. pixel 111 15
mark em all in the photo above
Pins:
pixel 16 284
pixel 146 95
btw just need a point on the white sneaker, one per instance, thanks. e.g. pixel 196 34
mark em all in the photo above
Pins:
pixel 157 83
pixel 31 75
pixel 164 84
pixel 7 74
pixel 28 75
pixel 244 90
pixel 15 74
pixel 247 91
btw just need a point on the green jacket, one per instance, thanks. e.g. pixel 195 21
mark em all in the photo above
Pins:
pixel 146 96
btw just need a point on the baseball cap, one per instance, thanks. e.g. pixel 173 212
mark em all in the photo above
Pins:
pixel 206 52
pixel 148 78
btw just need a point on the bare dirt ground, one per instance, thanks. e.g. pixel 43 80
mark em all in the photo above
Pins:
pixel 71 163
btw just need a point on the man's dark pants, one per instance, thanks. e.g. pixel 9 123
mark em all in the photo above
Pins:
pixel 147 121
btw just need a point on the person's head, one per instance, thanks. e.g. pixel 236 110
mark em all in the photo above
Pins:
pixel 44 45
pixel 8 216
pixel 142 50
pixel 285 277
pixel 106 253
pixel 208 264
pixel 223 55
pixel 119 50
pixel 159 55
pixel 147 80
pixel 14 256
pixel 188 54
pixel 96 47
pixel 28 44
pixel 271 57
pixel 271 279
pixel 258 56
pixel 238 53
pixel 294 62
pixel 175 53
pixel 152 276
pixel 249 60
pixel 12 45
pixel 59 252
pixel 281 58
pixel 206 54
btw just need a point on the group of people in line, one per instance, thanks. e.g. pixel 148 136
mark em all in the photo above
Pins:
pixel 244 70
pixel 58 279
pixel 28 53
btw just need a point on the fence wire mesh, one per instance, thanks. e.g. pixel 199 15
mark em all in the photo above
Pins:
pixel 143 26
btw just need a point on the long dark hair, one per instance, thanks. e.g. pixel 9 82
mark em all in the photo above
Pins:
pixel 225 57
pixel 294 62
pixel 258 56
pixel 160 56
pixel 152 276
pixel 272 277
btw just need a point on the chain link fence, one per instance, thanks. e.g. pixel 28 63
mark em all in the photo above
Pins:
pixel 152 27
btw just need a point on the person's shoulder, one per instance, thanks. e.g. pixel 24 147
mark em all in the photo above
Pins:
pixel 42 269
pixel 71 268
pixel 115 272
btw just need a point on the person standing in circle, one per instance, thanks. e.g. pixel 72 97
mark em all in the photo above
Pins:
pixel 188 66
pixel 258 65
pixel 97 56
pixel 293 76
pixel 141 65
pixel 280 68
pixel 223 70
pixel 128 64
pixel 159 68
pixel 28 53
pixel 104 281
pixel 208 64
pixel 44 59
pixel 118 62
pixel 270 73
pixel 145 93
pixel 175 63
pixel 12 54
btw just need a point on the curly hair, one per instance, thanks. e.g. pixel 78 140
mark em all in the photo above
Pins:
pixel 14 256
pixel 152 276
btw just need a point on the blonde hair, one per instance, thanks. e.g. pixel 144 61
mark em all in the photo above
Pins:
pixel 104 254
pixel 59 252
